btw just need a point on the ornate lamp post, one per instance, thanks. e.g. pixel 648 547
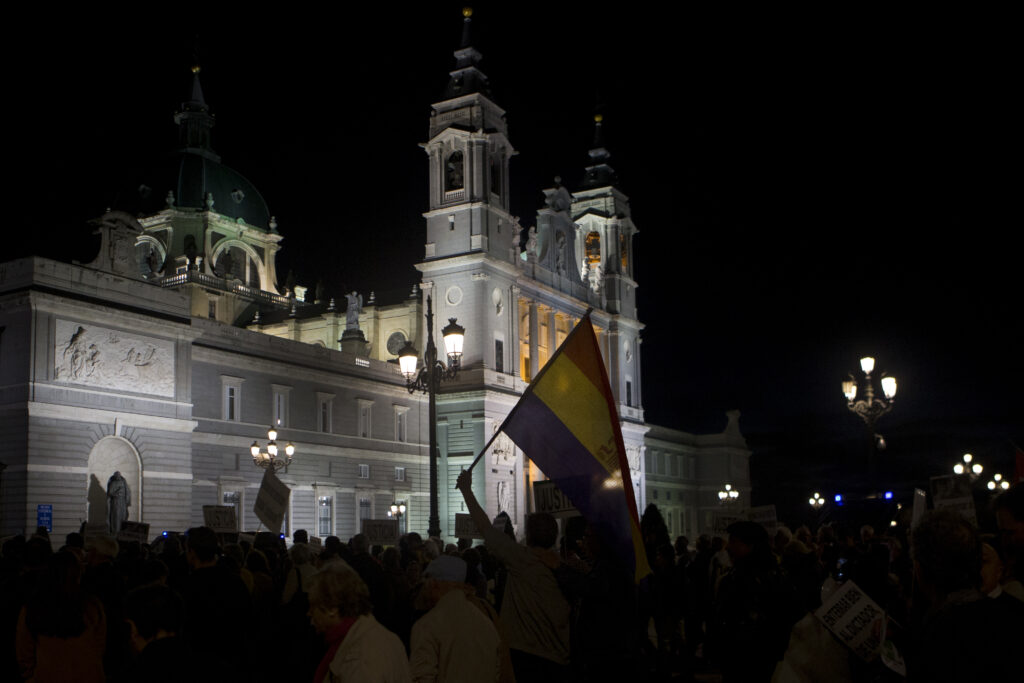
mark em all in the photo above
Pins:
pixel 997 482
pixel 396 512
pixel 269 459
pixel 728 494
pixel 968 466
pixel 816 501
pixel 870 407
pixel 427 378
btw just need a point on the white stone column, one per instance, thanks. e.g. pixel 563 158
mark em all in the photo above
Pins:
pixel 514 344
pixel 534 333
pixel 552 333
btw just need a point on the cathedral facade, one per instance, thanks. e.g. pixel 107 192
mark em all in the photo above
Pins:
pixel 168 356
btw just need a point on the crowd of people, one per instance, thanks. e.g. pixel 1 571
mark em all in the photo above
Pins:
pixel 553 607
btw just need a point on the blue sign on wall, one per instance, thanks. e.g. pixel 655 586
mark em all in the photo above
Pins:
pixel 44 517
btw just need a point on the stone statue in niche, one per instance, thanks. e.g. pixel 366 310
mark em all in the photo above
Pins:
pixel 119 498
pixel 560 253
pixel 355 307
pixel 531 244
pixel 504 497
pixel 633 458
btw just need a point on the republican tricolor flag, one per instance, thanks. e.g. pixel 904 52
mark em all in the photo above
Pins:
pixel 566 422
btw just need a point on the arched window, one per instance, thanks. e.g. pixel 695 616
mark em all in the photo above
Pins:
pixel 593 248
pixel 454 172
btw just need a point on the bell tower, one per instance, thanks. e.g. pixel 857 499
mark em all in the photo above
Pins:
pixel 468 153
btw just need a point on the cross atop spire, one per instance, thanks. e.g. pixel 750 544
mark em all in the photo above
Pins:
pixel 467 77
pixel 195 120
pixel 599 173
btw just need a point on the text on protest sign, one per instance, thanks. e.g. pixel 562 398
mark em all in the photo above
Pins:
pixel 547 498
pixel 220 518
pixel 381 531
pixel 855 619
pixel 465 527
pixel 133 531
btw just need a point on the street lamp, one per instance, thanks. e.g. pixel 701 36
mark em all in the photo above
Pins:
pixel 968 464
pixel 816 501
pixel 868 406
pixel 269 459
pixel 997 482
pixel 427 378
pixel 729 494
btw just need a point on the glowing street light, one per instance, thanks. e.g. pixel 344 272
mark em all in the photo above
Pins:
pixel 997 482
pixel 729 494
pixel 427 378
pixel 968 465
pixel 268 459
pixel 816 501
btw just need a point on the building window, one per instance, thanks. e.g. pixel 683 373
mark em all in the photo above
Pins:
pixel 231 398
pixel 213 309
pixel 401 423
pixel 654 494
pixel 399 474
pixel 325 516
pixel 324 410
pixel 629 393
pixel 234 499
pixel 364 471
pixel 499 355
pixel 365 418
pixel 453 172
pixel 280 405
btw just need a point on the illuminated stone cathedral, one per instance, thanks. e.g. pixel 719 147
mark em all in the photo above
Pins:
pixel 170 354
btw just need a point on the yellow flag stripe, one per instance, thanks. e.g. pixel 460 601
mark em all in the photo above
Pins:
pixel 581 406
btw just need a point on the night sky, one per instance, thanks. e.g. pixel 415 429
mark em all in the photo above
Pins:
pixel 809 188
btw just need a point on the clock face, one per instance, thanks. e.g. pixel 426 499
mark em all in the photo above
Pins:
pixel 395 343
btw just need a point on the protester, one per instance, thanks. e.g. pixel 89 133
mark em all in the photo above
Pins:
pixel 358 647
pixel 62 631
pixel 534 612
pixel 454 641
pixel 154 616
pixel 964 635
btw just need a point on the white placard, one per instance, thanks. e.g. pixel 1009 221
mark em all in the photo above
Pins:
pixel 133 531
pixel 272 501
pixel 547 498
pixel 381 531
pixel 855 619
pixel 220 518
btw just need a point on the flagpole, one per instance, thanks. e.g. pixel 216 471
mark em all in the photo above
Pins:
pixel 586 316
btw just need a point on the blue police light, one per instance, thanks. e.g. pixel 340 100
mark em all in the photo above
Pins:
pixel 888 495
pixel 165 534
pixel 282 535
pixel 839 499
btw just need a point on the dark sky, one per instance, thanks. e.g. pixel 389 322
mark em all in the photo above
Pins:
pixel 809 186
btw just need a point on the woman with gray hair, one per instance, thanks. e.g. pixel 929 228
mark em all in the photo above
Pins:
pixel 358 647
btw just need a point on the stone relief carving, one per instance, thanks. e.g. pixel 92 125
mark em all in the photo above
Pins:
pixel 111 359
pixel 503 451
pixel 633 458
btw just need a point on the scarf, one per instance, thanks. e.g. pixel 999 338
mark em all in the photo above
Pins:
pixel 334 636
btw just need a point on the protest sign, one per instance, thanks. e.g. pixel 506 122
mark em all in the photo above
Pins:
pixel 547 498
pixel 133 531
pixel 720 521
pixel 855 619
pixel 465 527
pixel 954 491
pixel 765 516
pixel 381 531
pixel 220 518
pixel 272 501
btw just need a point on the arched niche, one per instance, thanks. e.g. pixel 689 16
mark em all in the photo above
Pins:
pixel 112 454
